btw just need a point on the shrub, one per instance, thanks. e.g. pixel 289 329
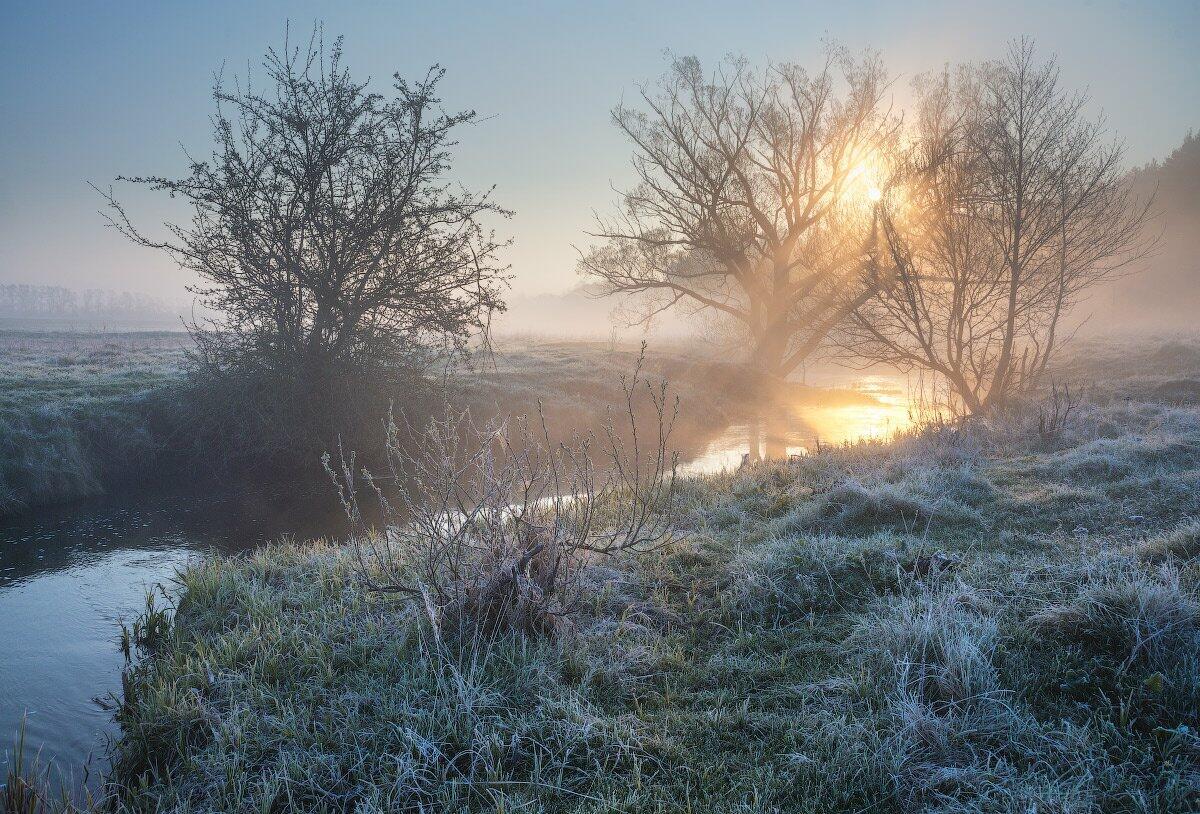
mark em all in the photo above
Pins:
pixel 489 527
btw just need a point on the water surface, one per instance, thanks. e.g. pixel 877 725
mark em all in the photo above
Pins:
pixel 862 407
pixel 70 575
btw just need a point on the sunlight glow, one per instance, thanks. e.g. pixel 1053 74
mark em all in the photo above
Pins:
pixel 887 411
pixel 863 180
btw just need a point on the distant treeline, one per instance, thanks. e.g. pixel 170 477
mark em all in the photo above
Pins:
pixel 22 301
pixel 1166 294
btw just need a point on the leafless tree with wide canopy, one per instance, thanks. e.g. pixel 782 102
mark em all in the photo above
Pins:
pixel 1016 204
pixel 754 200
pixel 323 230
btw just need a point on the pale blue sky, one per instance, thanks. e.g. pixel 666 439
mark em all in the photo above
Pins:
pixel 90 90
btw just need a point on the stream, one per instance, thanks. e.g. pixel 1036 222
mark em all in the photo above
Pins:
pixel 70 575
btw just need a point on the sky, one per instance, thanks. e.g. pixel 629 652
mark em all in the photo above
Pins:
pixel 92 90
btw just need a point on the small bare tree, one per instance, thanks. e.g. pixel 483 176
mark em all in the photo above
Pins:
pixel 754 199
pixel 490 526
pixel 1054 413
pixel 323 230
pixel 1016 206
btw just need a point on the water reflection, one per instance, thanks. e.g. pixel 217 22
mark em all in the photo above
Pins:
pixel 68 576
pixel 869 407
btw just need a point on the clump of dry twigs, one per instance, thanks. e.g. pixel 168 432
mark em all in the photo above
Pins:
pixel 491 525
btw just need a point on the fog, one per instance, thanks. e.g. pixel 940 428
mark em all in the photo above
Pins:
pixel 1159 293
pixel 1163 291
pixel 91 93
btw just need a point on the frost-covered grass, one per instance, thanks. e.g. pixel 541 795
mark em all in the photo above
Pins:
pixel 964 619
pixel 74 410
pixel 80 413
pixel 982 620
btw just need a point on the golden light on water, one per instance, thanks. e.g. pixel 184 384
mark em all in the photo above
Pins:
pixel 885 414
pixel 883 411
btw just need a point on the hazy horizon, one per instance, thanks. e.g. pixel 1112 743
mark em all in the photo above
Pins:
pixel 95 92
pixel 859 470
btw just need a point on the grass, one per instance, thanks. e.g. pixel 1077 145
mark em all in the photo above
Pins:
pixel 974 619
pixel 980 620
pixel 75 411
pixel 82 414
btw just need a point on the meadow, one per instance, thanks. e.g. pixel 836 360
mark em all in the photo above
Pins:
pixel 86 414
pixel 75 410
pixel 997 615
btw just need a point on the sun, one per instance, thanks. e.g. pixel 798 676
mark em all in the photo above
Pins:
pixel 862 179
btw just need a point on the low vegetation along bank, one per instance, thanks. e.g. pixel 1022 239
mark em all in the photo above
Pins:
pixel 1001 617
pixel 89 413
pixel 78 412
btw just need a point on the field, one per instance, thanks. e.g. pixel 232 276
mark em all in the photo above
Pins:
pixel 997 616
pixel 84 414
pixel 73 410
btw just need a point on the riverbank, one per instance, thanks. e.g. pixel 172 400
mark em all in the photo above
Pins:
pixel 993 619
pixel 88 414
pixel 77 411
pixel 71 572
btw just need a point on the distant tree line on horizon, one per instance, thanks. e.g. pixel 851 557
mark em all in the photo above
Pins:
pixel 1167 295
pixel 27 301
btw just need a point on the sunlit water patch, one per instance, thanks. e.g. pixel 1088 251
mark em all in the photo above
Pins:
pixel 870 406
pixel 887 412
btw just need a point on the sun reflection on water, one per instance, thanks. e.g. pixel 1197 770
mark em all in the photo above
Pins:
pixel 886 414
pixel 877 407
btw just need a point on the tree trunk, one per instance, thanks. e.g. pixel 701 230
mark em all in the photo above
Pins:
pixel 775 436
pixel 754 438
pixel 769 352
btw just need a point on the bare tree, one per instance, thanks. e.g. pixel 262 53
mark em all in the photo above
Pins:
pixel 490 527
pixel 1015 206
pixel 754 199
pixel 322 228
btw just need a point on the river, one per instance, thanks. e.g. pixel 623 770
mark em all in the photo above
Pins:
pixel 70 575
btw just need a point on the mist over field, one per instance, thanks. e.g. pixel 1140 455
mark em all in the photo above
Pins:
pixel 1161 293
pixel 643 408
pixel 1164 293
